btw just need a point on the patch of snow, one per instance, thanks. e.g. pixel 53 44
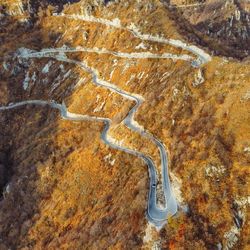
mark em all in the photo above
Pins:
pixel 215 171
pixel 175 92
pixel 80 82
pixel 61 67
pixel 111 74
pixel 33 78
pixel 141 46
pixel 199 79
pixel 46 68
pixel 126 67
pixel 112 163
pixel 5 66
pixel 58 81
pixel 24 20
pixel 232 236
pixel 219 246
pixel 165 76
pixel 140 75
pixel 85 35
pixel 100 107
pixel 26 81
pixel 115 141
pixel 131 78
pixel 243 202
pixel 156 245
pixel 237 15
pixel 108 158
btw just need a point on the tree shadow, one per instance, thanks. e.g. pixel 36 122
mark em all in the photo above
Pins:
pixel 30 145
pixel 213 34
pixel 35 4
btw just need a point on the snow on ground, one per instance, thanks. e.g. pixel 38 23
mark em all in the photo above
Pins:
pixel 141 46
pixel 26 81
pixel 46 68
pixel 231 237
pixel 59 80
pixel 165 76
pixel 111 74
pixel 156 245
pixel 16 9
pixel 5 66
pixel 140 75
pixel 108 158
pixel 215 171
pixel 130 79
pixel 115 141
pixel 80 82
pixel 126 67
pixel 100 107
pixel 33 78
pixel 243 202
pixel 199 78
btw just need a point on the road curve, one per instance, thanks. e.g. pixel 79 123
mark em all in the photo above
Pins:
pixel 202 56
pixel 156 215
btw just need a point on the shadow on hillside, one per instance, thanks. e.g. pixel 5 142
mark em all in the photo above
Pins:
pixel 20 154
pixel 28 139
pixel 214 37
pixel 35 4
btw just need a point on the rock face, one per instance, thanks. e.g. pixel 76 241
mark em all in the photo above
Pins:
pixel 70 190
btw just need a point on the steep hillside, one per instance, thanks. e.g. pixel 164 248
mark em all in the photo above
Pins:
pixel 90 92
pixel 221 25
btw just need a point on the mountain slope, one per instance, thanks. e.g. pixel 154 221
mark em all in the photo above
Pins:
pixel 68 189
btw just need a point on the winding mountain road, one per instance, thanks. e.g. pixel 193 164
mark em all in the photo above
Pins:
pixel 202 56
pixel 155 214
